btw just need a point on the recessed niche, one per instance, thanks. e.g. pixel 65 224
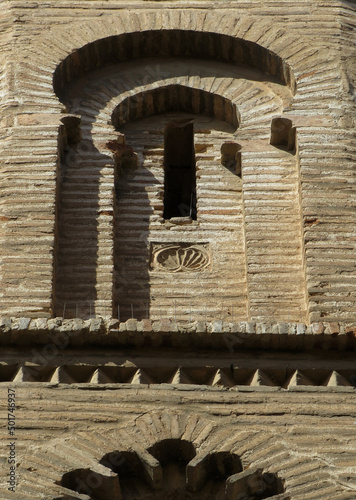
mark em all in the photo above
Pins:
pixel 231 156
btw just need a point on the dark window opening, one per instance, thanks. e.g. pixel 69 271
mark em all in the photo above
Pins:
pixel 179 171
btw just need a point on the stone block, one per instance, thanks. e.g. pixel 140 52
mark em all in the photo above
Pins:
pixel 54 323
pixel 318 328
pixel 131 325
pixel 217 326
pixel 122 327
pixel 301 329
pixel 41 324
pixel 201 327
pixel 96 325
pixel 5 324
pixel 283 328
pixel 146 325
pixel 332 328
pixel 250 327
pixel 21 324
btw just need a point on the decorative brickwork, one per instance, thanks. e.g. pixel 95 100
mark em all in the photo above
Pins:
pixel 177 250
pixel 309 59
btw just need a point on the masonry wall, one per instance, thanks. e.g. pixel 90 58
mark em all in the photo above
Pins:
pixel 306 38
pixel 62 429
pixel 283 402
pixel 253 353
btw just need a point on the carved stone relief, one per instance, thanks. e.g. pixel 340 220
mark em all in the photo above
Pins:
pixel 180 257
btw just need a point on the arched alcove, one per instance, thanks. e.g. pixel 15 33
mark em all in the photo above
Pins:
pixel 167 450
pixel 111 268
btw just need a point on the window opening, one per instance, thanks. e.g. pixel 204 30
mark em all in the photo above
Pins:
pixel 179 171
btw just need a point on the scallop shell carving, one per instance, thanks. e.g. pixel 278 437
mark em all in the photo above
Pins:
pixel 176 258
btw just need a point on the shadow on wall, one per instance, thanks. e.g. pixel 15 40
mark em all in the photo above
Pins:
pixel 86 230
pixel 86 216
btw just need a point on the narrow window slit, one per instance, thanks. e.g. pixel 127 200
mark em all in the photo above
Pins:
pixel 179 170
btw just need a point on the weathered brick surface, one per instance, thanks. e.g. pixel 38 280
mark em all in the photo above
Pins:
pixel 59 423
pixel 282 278
pixel 254 354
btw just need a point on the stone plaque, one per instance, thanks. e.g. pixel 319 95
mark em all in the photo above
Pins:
pixel 180 257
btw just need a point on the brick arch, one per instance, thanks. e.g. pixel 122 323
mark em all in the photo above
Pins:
pixel 175 98
pixel 65 42
pixel 89 457
pixel 168 43
pixel 171 467
pixel 222 90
